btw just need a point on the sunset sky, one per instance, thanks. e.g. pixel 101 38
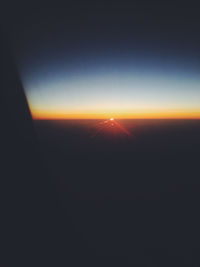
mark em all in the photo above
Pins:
pixel 101 61
pixel 133 87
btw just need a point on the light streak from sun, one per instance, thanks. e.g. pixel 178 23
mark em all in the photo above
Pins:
pixel 110 127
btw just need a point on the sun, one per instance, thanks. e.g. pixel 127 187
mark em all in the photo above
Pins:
pixel 112 119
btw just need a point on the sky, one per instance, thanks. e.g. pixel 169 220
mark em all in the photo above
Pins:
pixel 118 60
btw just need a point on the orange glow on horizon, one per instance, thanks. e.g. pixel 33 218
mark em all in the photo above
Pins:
pixel 149 114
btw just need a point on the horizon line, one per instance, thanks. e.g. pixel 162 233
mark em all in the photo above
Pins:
pixel 172 118
pixel 116 117
pixel 147 114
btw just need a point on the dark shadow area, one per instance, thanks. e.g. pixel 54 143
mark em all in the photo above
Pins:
pixel 35 228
